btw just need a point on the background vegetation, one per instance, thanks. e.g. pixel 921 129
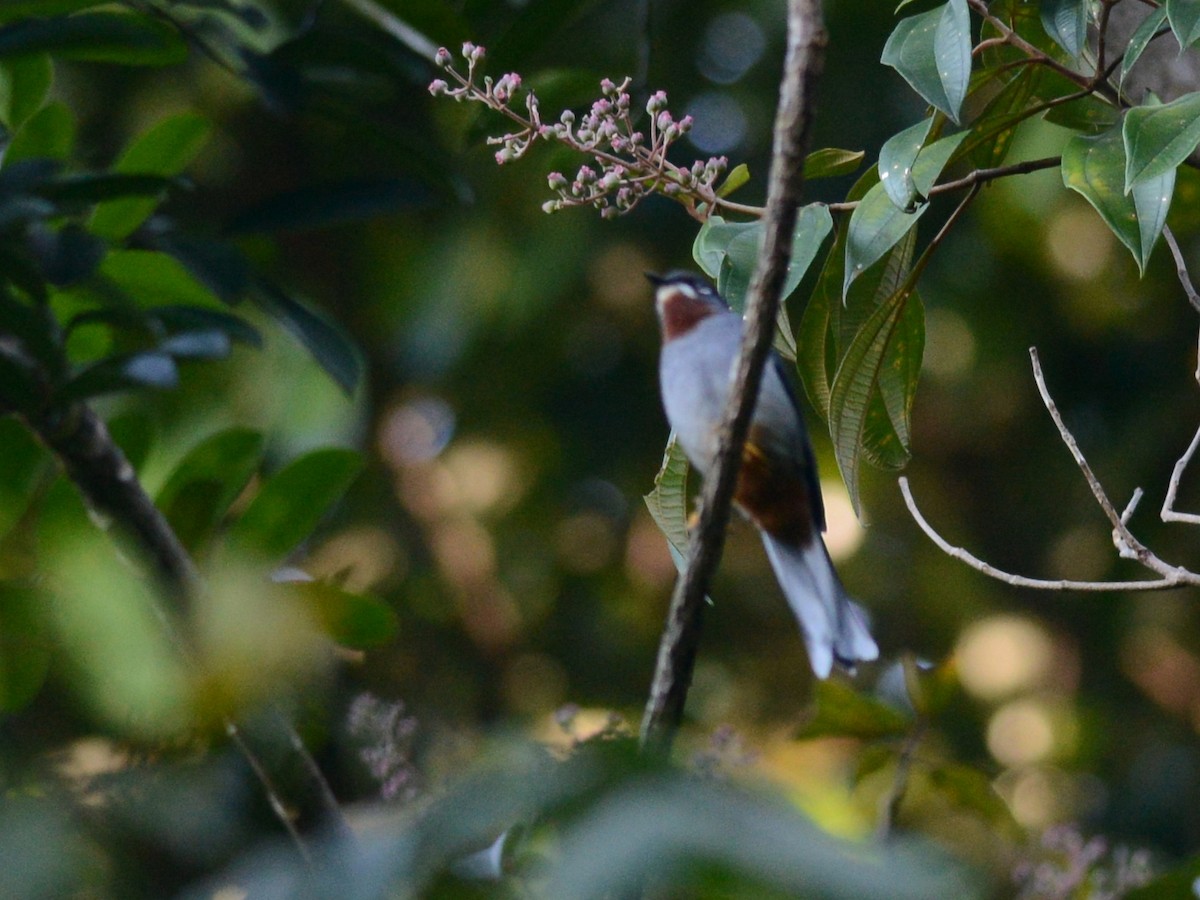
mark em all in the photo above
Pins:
pixel 483 559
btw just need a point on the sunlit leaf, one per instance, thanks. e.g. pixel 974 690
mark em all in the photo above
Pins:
pixel 165 150
pixel 152 279
pixel 668 501
pixel 1140 39
pixel 293 501
pixel 1066 21
pixel 1095 167
pixel 932 51
pixel 897 157
pixel 48 134
pixel 1159 138
pixel 831 162
pixel 207 480
pixel 840 711
pixel 737 177
pixel 1184 16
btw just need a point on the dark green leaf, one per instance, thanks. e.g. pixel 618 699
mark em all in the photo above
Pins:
pixel 855 384
pixel 1140 39
pixel 932 51
pixel 328 345
pixel 49 134
pixel 23 9
pixel 728 251
pixel 358 621
pixel 134 432
pixel 968 788
pixel 25 459
pixel 94 188
pixel 1159 138
pixel 123 38
pixel 1179 883
pixel 992 131
pixel 24 85
pixel 24 647
pixel 876 224
pixel 192 318
pixel 896 160
pixel 831 162
pixel 840 711
pixel 1095 167
pixel 1184 16
pixel 898 379
pixel 68 255
pixel 153 369
pixel 668 501
pixel 164 151
pixel 208 343
pixel 217 265
pixel 201 488
pixel 323 206
pixel 293 501
pixel 1066 22
pixel 1087 114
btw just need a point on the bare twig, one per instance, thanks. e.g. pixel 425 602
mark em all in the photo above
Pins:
pixel 677 648
pixel 1181 270
pixel 1178 577
pixel 1168 512
pixel 395 26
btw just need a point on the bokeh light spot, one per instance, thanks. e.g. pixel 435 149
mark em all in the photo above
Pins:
pixel 1002 655
pixel 732 43
pixel 720 123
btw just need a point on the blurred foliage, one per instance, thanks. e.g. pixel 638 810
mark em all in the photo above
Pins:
pixel 402 420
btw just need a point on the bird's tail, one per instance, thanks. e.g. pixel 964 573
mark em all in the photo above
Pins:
pixel 834 626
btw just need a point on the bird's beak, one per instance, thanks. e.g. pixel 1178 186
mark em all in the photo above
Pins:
pixel 655 280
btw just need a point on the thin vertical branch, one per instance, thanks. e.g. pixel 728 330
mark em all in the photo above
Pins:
pixel 677 649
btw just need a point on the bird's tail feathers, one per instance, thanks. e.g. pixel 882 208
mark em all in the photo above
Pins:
pixel 835 627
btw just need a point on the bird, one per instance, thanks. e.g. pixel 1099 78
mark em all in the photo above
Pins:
pixel 778 488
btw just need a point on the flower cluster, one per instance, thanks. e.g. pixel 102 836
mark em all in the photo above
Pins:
pixel 386 737
pixel 1066 864
pixel 628 164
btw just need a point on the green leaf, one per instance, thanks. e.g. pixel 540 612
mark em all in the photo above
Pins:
pixel 24 647
pixel 199 491
pixel 129 39
pixel 1184 16
pixel 993 129
pixel 1095 167
pixel 876 225
pixel 1178 883
pixel 840 711
pixel 165 150
pixel 24 86
pixel 968 788
pixel 293 501
pixel 1066 21
pixel 328 344
pixel 23 9
pixel 155 279
pixel 898 379
pixel 122 373
pixel 896 159
pixel 1140 39
pixel 853 387
pixel 192 318
pixel 358 621
pixel 831 162
pixel 738 176
pixel 932 51
pixel 25 460
pixel 1159 138
pixel 668 501
pixel 86 189
pixel 48 134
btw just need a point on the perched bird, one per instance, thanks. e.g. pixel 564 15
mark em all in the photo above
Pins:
pixel 777 487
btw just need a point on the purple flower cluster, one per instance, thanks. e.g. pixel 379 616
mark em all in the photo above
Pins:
pixel 627 164
pixel 1066 864
pixel 386 736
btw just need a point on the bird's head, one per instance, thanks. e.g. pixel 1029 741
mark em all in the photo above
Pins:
pixel 683 299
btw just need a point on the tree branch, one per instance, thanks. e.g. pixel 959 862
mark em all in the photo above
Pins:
pixel 677 649
pixel 110 487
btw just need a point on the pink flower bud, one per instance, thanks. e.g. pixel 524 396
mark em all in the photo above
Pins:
pixel 685 124
pixel 442 57
pixel 664 120
pixel 657 102
pixel 607 86
pixel 557 181
pixel 551 206
pixel 504 155
pixel 438 87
